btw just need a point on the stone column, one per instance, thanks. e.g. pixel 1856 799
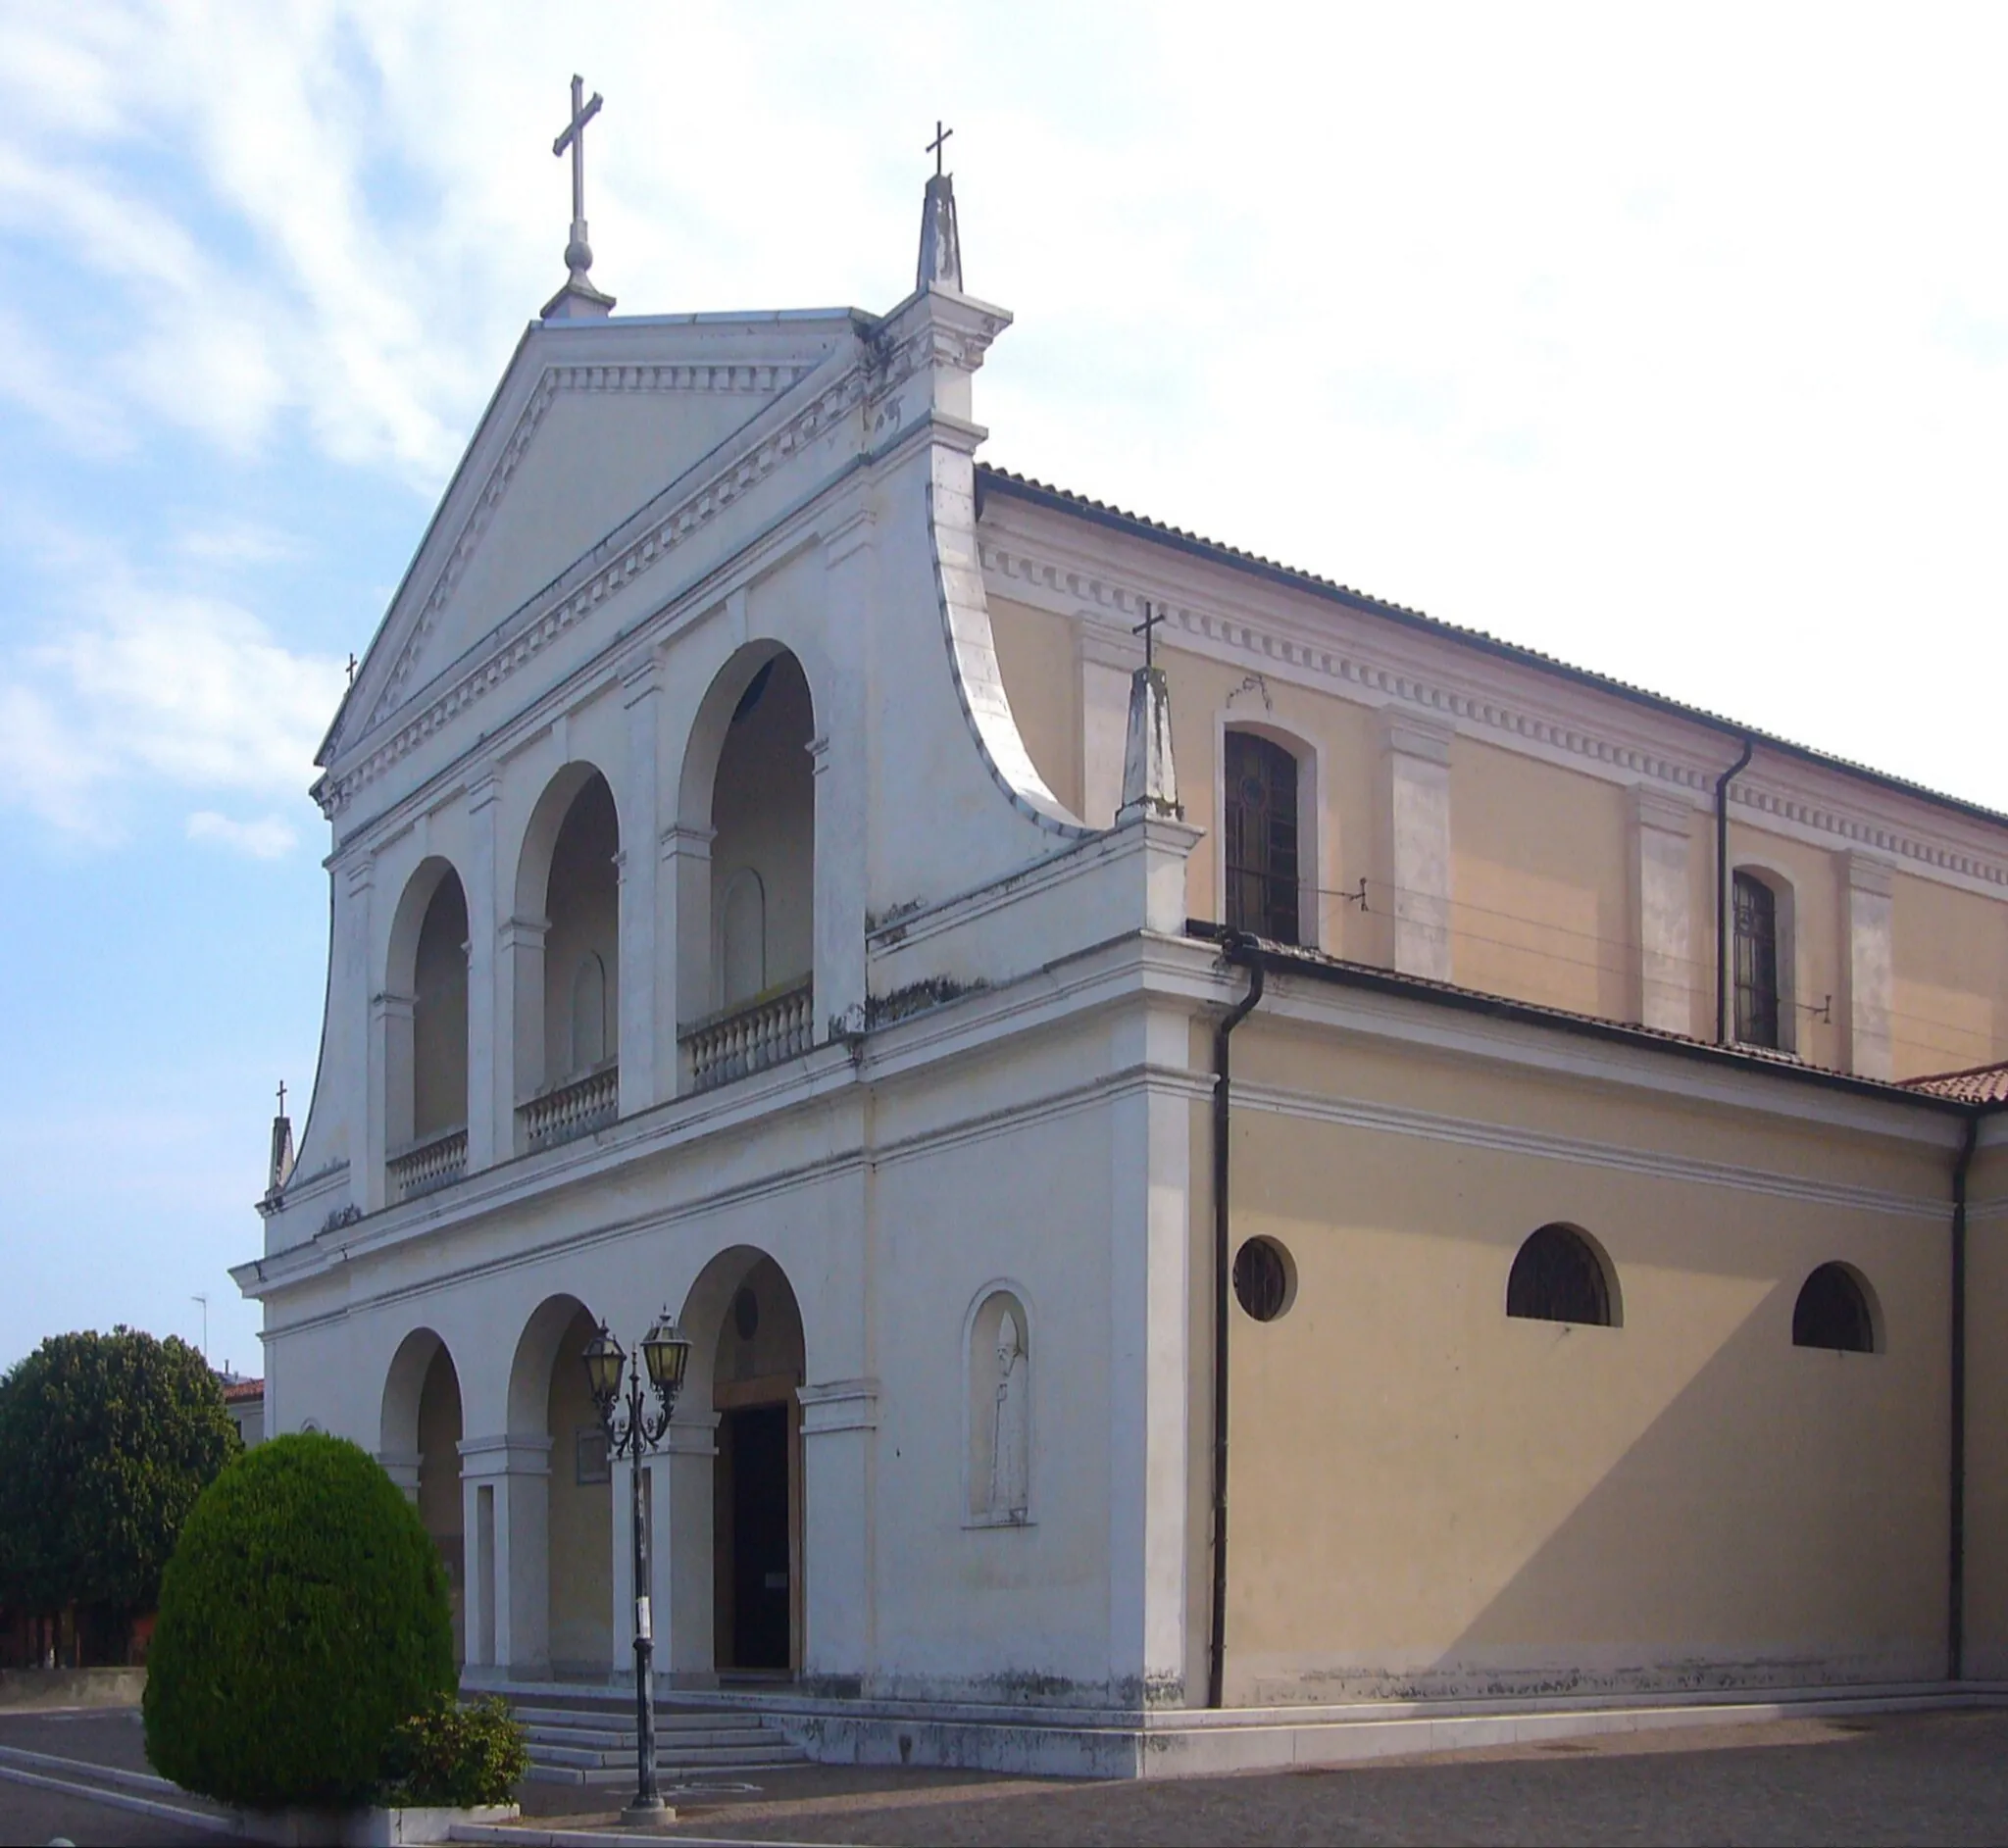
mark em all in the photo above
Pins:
pixel 514 1474
pixel 1416 827
pixel 840 1437
pixel 1107 663
pixel 519 1022
pixel 1150 1314
pixel 483 1146
pixel 1868 963
pixel 1662 911
pixel 639 826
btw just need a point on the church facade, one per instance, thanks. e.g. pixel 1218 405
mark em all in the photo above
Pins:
pixel 1457 1181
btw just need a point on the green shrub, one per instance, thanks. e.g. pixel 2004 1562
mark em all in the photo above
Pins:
pixel 454 1754
pixel 302 1617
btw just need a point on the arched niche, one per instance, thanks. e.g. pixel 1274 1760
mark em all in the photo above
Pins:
pixel 746 839
pixel 424 1022
pixel 736 1526
pixel 565 939
pixel 420 1436
pixel 997 1365
pixel 1560 1274
pixel 549 1399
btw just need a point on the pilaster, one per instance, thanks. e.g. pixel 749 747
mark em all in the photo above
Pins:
pixel 1868 963
pixel 518 1019
pixel 1415 825
pixel 482 1051
pixel 390 1088
pixel 359 1072
pixel 839 1433
pixel 1662 922
pixel 684 892
pixel 639 1022
pixel 1150 1316
pixel 685 1647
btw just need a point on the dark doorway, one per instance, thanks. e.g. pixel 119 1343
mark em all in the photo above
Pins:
pixel 753 1448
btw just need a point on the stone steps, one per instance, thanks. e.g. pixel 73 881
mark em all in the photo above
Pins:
pixel 591 1741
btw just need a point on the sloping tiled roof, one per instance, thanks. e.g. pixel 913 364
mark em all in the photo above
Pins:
pixel 1982 1084
pixel 1040 493
pixel 242 1390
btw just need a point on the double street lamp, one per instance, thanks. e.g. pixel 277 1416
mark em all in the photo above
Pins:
pixel 633 1431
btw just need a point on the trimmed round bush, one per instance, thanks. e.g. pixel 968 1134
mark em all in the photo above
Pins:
pixel 303 1616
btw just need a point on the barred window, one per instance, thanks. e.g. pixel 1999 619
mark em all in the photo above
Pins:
pixel 1756 957
pixel 1558 1275
pixel 1261 831
pixel 1832 1311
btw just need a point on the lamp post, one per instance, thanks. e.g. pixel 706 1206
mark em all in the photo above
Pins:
pixel 632 1431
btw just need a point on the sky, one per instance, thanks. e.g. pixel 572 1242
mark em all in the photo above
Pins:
pixel 1672 341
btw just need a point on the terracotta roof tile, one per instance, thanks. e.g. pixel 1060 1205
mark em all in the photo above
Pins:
pixel 1981 1084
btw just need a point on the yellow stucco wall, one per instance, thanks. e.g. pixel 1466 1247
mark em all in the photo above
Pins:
pixel 1035 656
pixel 1428 1495
pixel 1951 978
pixel 1540 905
pixel 582 1518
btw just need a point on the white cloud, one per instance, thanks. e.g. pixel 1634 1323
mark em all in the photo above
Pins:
pixel 149 684
pixel 268 838
pixel 238 542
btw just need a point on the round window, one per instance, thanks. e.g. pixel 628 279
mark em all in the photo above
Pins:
pixel 746 1315
pixel 1265 1278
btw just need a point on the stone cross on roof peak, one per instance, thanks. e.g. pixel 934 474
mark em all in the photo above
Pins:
pixel 579 299
pixel 941 265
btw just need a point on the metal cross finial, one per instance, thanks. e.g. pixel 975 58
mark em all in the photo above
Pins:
pixel 352 669
pixel 281 1097
pixel 578 253
pixel 1153 616
pixel 935 146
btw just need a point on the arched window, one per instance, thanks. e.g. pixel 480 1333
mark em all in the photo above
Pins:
pixel 1559 1275
pixel 1260 789
pixel 1832 1311
pixel 1757 962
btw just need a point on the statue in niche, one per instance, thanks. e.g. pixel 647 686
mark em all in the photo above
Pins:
pixel 1010 1429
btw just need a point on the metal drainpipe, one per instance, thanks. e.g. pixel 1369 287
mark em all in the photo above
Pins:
pixel 1238 944
pixel 1725 910
pixel 1955 1565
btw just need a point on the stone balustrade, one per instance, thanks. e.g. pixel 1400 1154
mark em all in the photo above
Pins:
pixel 437 1162
pixel 574 1108
pixel 765 1031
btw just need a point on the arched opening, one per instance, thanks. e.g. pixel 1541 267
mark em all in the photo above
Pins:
pixel 568 997
pixel 425 1020
pixel 1559 1274
pixel 549 1401
pixel 1834 1311
pixel 1761 921
pixel 420 1433
pixel 746 1329
pixel 1262 840
pixel 747 953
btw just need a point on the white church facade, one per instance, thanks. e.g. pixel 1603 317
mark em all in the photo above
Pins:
pixel 1443 1187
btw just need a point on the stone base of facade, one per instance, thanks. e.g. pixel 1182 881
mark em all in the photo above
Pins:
pixel 1183 1742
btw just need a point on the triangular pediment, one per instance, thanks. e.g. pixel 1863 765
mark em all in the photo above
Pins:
pixel 593 421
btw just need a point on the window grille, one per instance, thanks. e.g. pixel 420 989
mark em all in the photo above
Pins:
pixel 1756 955
pixel 1261 790
pixel 1557 1277
pixel 1832 1311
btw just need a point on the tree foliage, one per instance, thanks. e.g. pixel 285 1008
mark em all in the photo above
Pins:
pixel 303 1617
pixel 106 1441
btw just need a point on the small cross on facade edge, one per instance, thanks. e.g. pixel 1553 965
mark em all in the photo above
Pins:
pixel 1153 617
pixel 352 668
pixel 936 146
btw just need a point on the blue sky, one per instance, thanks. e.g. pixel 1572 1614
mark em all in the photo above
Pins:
pixel 1676 345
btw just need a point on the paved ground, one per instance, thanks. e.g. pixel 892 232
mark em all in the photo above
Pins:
pixel 1922 1779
